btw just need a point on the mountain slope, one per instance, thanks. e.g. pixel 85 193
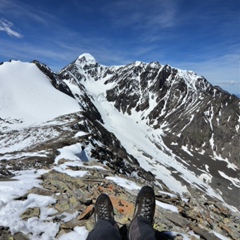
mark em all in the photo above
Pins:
pixel 50 192
pixel 27 96
pixel 196 112
pixel 141 124
pixel 173 121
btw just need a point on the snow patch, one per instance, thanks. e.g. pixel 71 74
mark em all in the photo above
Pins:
pixel 71 152
pixel 235 181
pixel 88 58
pixel 184 148
pixel 124 183
pixel 11 210
pixel 167 206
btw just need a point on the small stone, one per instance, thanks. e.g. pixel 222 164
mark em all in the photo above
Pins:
pixel 227 229
pixel 61 232
pixel 85 201
pixel 73 201
pixel 62 205
pixel 20 236
pixel 5 233
pixel 124 209
pixel 178 237
pixel 177 219
pixel 202 232
pixel 71 224
pixel 194 238
pixel 87 213
pixel 90 225
pixel 226 220
pixel 30 212
pixel 41 191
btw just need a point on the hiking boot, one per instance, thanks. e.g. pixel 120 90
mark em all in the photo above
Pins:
pixel 103 208
pixel 145 204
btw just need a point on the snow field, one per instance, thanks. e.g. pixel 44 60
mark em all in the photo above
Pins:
pixel 26 94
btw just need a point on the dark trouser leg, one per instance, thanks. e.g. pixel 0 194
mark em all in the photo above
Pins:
pixel 104 230
pixel 141 229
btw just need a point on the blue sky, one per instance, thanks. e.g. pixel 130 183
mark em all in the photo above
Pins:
pixel 202 36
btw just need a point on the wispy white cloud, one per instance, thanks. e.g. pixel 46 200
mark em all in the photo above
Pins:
pixel 7 26
pixel 154 15
pixel 27 52
pixel 222 71
pixel 25 12
pixel 229 83
pixel 166 17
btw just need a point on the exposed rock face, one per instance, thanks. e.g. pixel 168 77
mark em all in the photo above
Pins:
pixel 53 77
pixel 186 106
pixel 200 122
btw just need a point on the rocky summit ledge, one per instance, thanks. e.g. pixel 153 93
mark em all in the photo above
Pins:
pixel 74 197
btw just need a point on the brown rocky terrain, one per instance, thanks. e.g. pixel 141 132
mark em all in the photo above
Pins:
pixel 196 217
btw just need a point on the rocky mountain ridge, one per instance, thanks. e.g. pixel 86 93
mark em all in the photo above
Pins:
pixel 170 99
pixel 140 124
pixel 68 189
pixel 193 115
pixel 199 123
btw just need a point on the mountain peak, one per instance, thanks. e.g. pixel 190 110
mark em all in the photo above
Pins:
pixel 87 57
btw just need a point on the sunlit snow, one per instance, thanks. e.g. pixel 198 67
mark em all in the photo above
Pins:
pixel 27 96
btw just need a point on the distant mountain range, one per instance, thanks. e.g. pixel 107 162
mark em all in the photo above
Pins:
pixel 173 124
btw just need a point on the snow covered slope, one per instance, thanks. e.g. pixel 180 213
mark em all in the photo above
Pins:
pixel 27 96
pixel 172 121
pixel 142 124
